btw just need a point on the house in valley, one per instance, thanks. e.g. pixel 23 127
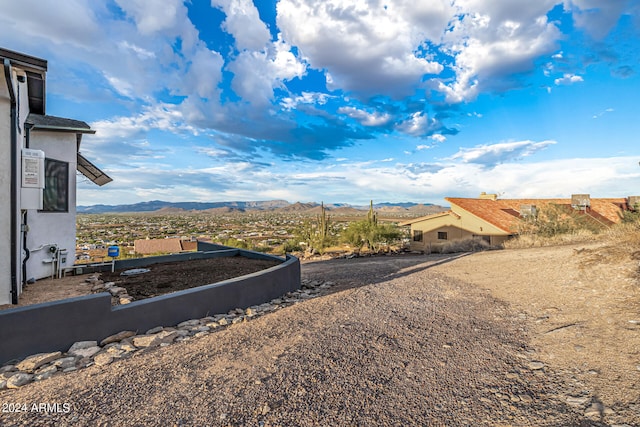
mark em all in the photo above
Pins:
pixel 495 220
pixel 39 157
pixel 164 246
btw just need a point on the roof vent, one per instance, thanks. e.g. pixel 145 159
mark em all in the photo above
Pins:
pixel 528 211
pixel 485 196
pixel 580 201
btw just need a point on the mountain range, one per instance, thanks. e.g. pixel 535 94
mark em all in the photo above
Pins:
pixel 265 205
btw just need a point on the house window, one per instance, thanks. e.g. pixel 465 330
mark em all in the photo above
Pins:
pixel 442 235
pixel 417 235
pixel 56 186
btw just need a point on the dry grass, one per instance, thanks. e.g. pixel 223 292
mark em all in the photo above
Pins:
pixel 536 241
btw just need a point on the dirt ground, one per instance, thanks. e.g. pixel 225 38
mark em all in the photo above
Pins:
pixel 161 279
pixel 519 337
pixel 176 276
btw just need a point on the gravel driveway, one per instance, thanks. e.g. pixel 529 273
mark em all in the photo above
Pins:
pixel 392 343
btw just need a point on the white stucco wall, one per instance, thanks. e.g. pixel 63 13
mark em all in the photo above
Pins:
pixel 53 228
pixel 5 186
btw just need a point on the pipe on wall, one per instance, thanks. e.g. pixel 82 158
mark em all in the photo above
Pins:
pixel 14 184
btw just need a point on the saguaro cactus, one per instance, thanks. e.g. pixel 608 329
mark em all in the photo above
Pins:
pixel 372 216
pixel 322 225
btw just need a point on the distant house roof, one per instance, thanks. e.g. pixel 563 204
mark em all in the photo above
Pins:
pixel 163 246
pixel 505 213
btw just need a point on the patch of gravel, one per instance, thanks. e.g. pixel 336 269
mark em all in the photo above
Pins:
pixel 392 343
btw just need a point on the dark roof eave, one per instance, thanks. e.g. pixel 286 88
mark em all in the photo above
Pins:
pixel 57 124
pixel 62 129
pixel 24 61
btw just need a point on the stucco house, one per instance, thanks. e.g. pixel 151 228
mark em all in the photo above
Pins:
pixel 495 220
pixel 39 157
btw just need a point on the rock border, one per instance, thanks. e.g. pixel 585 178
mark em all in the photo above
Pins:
pixel 83 354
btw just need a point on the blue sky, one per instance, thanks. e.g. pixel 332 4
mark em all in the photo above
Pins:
pixel 343 101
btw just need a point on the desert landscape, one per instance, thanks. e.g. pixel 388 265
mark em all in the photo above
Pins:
pixel 519 337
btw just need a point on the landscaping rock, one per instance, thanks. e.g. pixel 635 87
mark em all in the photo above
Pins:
pixel 117 337
pixel 116 290
pixel 65 362
pixel 189 323
pixel 85 352
pixel 145 341
pixel 32 363
pixel 154 330
pixel 78 345
pixel 19 379
pixel 535 365
pixel 102 359
pixel 45 372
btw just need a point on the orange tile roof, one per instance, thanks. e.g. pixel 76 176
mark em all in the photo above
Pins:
pixel 504 213
pixel 165 246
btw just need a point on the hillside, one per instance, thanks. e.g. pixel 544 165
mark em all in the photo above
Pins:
pixel 164 207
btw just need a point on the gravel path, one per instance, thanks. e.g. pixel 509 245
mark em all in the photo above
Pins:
pixel 393 343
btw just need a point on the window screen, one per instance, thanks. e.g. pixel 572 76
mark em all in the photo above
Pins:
pixel 56 186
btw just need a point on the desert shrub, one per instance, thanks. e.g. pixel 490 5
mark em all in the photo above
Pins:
pixel 461 245
pixel 371 235
pixel 237 243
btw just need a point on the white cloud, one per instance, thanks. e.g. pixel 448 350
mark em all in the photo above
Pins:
pixel 493 41
pixel 423 147
pixel 257 73
pixel 419 124
pixel 205 72
pixel 290 103
pixel 494 154
pixel 597 17
pixel 438 137
pixel 365 48
pixel 154 16
pixel 568 79
pixel 73 22
pixel 162 117
pixel 244 24
pixel 602 113
pixel 365 118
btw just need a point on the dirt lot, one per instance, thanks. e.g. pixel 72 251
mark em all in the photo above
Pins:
pixel 176 276
pixel 535 337
pixel 160 279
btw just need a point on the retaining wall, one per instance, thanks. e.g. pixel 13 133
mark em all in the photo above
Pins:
pixel 57 325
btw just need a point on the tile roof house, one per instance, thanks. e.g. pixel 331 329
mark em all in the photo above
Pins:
pixel 496 220
pixel 39 157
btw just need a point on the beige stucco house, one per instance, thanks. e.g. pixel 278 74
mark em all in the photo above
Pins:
pixel 495 220
pixel 39 157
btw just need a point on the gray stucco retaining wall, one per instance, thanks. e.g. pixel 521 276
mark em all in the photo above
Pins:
pixel 57 325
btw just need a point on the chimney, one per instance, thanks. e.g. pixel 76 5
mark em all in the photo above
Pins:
pixel 528 211
pixel 580 201
pixel 485 196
